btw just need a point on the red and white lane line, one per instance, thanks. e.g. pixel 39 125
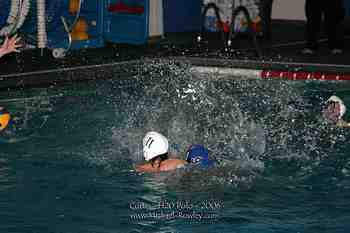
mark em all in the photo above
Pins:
pixel 228 72
pixel 271 74
pixel 302 75
pixel 243 73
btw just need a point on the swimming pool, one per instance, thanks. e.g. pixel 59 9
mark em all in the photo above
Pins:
pixel 66 158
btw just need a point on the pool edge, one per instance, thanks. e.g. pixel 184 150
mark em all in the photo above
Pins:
pixel 241 68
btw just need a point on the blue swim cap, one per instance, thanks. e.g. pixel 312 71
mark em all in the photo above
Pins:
pixel 199 155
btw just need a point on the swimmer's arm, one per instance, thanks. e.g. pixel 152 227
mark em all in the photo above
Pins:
pixel 146 168
pixel 173 164
pixel 182 163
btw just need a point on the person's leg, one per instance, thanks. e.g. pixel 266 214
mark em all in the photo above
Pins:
pixel 266 10
pixel 313 15
pixel 334 16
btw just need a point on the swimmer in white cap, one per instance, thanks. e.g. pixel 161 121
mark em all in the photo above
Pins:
pixel 10 45
pixel 334 110
pixel 155 152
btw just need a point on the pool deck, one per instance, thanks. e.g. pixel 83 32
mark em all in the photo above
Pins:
pixel 282 52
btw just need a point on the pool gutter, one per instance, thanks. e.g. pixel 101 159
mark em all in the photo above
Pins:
pixel 244 69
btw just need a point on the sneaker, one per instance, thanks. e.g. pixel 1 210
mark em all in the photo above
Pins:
pixel 336 51
pixel 308 51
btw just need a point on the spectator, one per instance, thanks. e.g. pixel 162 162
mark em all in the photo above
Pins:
pixel 266 10
pixel 333 13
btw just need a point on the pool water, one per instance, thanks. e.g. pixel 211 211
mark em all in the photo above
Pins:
pixel 66 163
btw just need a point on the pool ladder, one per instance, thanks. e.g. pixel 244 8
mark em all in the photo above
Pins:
pixel 227 39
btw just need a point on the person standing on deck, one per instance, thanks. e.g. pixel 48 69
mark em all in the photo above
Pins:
pixel 266 10
pixel 333 12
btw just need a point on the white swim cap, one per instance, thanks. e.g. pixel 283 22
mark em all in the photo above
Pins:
pixel 154 144
pixel 340 102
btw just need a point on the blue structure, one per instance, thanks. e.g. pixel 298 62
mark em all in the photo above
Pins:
pixel 347 7
pixel 4 11
pixel 129 24
pixel 119 21
pixel 55 30
pixel 91 11
pixel 182 15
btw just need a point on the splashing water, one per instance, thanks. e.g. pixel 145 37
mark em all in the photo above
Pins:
pixel 244 123
pixel 248 125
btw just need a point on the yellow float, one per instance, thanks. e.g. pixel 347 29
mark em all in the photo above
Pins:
pixel 4 118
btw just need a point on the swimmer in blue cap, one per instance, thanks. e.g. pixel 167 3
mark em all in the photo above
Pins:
pixel 199 155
